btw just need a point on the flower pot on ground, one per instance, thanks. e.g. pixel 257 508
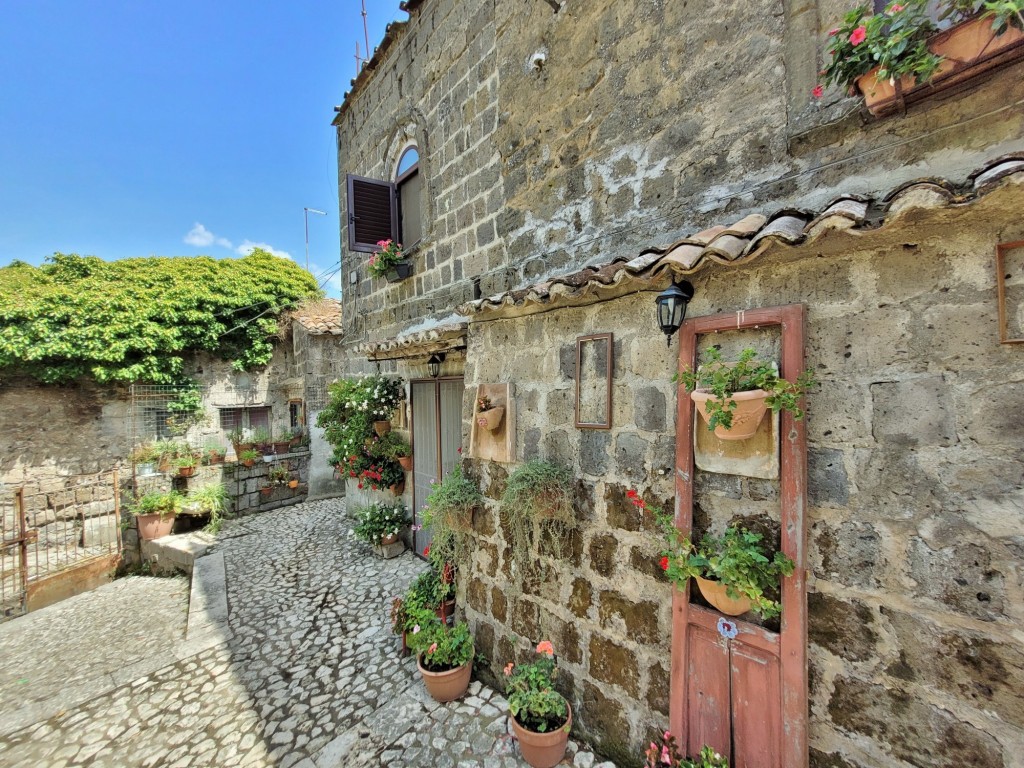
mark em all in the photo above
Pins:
pixel 444 655
pixel 729 395
pixel 541 717
pixel 375 522
pixel 266 491
pixel 155 513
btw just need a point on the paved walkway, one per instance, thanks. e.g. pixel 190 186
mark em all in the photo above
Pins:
pixel 285 659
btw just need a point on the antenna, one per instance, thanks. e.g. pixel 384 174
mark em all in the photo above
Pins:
pixel 366 31
pixel 358 59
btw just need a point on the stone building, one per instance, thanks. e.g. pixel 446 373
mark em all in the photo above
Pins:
pixel 552 167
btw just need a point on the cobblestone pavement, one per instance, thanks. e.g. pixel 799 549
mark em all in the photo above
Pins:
pixel 304 672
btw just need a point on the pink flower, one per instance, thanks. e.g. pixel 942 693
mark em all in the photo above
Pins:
pixel 665 757
pixel 508 668
pixel 383 243
pixel 858 35
pixel 818 90
pixel 416 629
pixel 833 32
pixel 545 647
pixel 432 648
pixel 895 8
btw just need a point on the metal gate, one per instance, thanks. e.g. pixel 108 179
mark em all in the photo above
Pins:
pixel 57 538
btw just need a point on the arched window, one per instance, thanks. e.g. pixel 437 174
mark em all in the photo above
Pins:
pixel 409 186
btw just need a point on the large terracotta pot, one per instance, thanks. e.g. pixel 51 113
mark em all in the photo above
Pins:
pixel 154 526
pixel 972 40
pixel 750 409
pixel 491 419
pixel 543 750
pixel 446 686
pixel 715 593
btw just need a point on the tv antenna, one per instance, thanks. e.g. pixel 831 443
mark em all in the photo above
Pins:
pixel 360 61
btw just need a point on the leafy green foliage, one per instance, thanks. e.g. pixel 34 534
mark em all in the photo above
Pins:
pixel 210 500
pixel 383 261
pixel 376 521
pixel 439 646
pixel 722 380
pixel 532 698
pixel 736 559
pixel 157 503
pixel 428 591
pixel 1004 13
pixel 354 405
pixel 448 512
pixel 391 446
pixel 537 493
pixel 895 41
pixel 133 320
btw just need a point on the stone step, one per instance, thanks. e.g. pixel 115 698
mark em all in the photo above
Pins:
pixel 177 553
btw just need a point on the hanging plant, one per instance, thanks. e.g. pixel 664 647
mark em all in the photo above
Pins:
pixel 448 512
pixel 537 493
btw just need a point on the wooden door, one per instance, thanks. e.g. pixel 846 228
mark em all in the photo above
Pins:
pixel 436 439
pixel 737 686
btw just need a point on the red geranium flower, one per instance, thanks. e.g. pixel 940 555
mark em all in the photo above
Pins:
pixel 818 90
pixel 426 551
pixel 664 563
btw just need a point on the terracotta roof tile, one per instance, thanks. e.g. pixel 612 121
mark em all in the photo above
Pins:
pixel 320 317
pixel 739 241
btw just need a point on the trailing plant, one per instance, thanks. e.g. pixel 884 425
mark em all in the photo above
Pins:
pixel 537 493
pixel 134 320
pixel 353 405
pixel 722 380
pixel 895 41
pixel 211 500
pixel 736 558
pixel 375 521
pixel 186 410
pixel 439 646
pixel 279 475
pixel 532 698
pixel 665 754
pixel 383 261
pixel 159 503
pixel 448 512
pixel 391 446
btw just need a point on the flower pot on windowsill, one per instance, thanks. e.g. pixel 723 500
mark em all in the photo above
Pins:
pixel 543 750
pixel 878 93
pixel 716 593
pixel 405 462
pixel 491 418
pixel 972 40
pixel 746 417
pixel 399 272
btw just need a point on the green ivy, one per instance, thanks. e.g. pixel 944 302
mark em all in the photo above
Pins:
pixel 134 320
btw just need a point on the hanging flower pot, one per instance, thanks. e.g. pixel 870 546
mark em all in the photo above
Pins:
pixel 716 593
pixel 405 462
pixel 491 419
pixel 382 427
pixel 398 489
pixel 746 417
pixel 543 750
pixel 399 272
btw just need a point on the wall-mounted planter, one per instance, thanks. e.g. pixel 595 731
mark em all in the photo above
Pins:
pixel 716 593
pixel 491 418
pixel 492 436
pixel 399 272
pixel 970 49
pixel 746 417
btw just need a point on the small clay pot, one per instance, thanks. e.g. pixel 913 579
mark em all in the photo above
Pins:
pixel 405 462
pixel 449 685
pixel 715 593
pixel 491 419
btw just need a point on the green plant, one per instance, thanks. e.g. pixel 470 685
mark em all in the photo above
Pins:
pixel 237 436
pixel 391 446
pixel 399 616
pixel 537 493
pixel 439 646
pixel 145 453
pixel 249 455
pixel 895 41
pixel 665 754
pixel 532 698
pixel 186 461
pixel 279 475
pixel 260 437
pixel 186 409
pixel 429 591
pixel 736 558
pixel 215 453
pixel 381 473
pixel 1004 13
pixel 376 521
pixel 383 261
pixel 159 503
pixel 354 404
pixel 722 380
pixel 134 320
pixel 448 512
pixel 211 500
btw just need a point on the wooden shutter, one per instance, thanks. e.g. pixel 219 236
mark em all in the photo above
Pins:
pixel 372 213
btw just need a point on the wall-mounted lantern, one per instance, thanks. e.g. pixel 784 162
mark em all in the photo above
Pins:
pixel 434 365
pixel 672 303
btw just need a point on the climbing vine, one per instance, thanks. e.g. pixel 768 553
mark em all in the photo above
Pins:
pixel 135 319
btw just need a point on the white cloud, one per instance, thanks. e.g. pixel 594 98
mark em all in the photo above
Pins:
pixel 201 237
pixel 247 247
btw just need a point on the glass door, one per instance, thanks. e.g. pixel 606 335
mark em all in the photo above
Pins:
pixel 436 438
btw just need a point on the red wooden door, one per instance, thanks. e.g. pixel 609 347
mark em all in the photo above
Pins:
pixel 737 686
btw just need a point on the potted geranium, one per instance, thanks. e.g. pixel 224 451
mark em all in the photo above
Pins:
pixel 733 397
pixel 389 262
pixel 733 571
pixel 878 52
pixel 444 655
pixel 155 513
pixel 541 717
pixel 665 754
pixel 380 523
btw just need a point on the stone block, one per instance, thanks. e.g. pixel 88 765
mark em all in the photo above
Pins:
pixel 961 578
pixel 620 512
pixel 850 553
pixel 603 550
pixel 476 596
pixel 637 620
pixel 630 454
pixel 389 551
pixel 827 483
pixel 843 628
pixel 100 532
pixel 499 605
pixel 911 730
pixel 989 420
pixel 650 409
pixel 603 714
pixel 594 451
pixel 658 688
pixel 612 663
pixel 581 599
pixel 913 412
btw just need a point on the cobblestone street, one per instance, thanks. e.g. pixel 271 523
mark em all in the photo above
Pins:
pixel 296 668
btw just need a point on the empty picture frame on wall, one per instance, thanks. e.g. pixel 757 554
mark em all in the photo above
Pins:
pixel 1010 286
pixel 594 381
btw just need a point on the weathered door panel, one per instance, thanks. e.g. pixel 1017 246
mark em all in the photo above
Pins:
pixel 756 707
pixel 707 691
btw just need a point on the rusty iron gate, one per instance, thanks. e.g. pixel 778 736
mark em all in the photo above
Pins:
pixel 57 538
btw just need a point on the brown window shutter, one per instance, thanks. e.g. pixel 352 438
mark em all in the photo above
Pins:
pixel 372 213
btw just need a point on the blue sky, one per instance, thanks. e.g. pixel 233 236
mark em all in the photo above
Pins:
pixel 192 127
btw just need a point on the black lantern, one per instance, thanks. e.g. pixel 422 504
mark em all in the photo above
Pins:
pixel 672 307
pixel 434 365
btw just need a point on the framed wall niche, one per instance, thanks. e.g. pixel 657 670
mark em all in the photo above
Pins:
pixel 594 366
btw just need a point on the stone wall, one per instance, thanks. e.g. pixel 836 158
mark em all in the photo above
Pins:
pixel 915 478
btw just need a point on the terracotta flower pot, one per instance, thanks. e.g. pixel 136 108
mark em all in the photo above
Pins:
pixel 398 489
pixel 446 686
pixel 543 750
pixel 281 447
pixel 154 526
pixel 750 409
pixel 972 40
pixel 248 462
pixel 293 483
pixel 878 92
pixel 382 427
pixel 216 458
pixel 241 448
pixel 186 471
pixel 491 419
pixel 391 538
pixel 405 462
pixel 267 491
pixel 715 593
